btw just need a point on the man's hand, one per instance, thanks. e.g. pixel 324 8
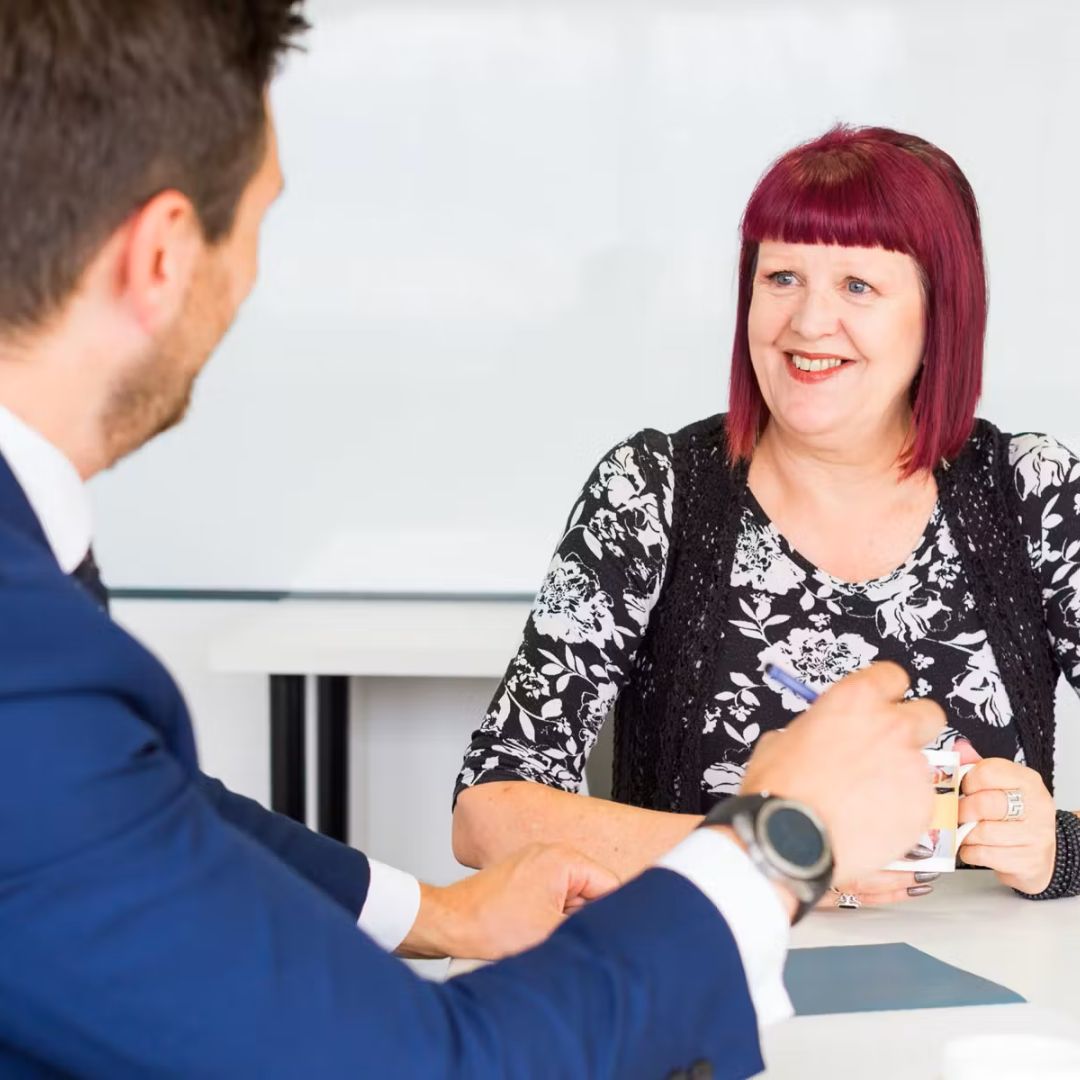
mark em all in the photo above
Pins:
pixel 506 908
pixel 855 757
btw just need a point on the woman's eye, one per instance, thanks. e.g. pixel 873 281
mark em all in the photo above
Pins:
pixel 782 277
pixel 858 287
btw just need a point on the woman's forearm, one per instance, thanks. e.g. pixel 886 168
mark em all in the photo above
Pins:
pixel 492 821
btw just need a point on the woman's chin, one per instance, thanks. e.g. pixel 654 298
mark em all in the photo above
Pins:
pixel 811 422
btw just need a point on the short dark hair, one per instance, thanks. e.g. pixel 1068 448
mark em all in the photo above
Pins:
pixel 106 103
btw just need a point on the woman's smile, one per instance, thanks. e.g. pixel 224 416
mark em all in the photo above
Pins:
pixel 807 367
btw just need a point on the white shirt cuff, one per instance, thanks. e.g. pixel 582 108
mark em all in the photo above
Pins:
pixel 391 907
pixel 751 908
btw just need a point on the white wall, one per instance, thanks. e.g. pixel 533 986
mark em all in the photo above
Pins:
pixel 508 240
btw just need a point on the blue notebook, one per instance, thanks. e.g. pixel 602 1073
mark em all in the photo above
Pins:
pixel 871 978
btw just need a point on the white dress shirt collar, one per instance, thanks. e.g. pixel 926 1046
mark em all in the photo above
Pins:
pixel 52 486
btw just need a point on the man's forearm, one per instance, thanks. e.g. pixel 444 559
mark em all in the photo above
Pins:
pixel 336 869
pixel 436 932
pixel 493 820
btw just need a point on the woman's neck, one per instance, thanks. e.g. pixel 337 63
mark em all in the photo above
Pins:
pixel 833 472
pixel 848 509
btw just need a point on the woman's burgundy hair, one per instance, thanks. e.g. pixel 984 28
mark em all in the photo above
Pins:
pixel 873 187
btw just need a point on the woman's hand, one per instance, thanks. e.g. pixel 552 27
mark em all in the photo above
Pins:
pixel 884 887
pixel 1020 851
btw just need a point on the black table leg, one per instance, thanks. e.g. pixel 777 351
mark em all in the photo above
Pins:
pixel 333 756
pixel 287 761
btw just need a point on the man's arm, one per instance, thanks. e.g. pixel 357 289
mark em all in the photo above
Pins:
pixel 384 901
pixel 338 870
pixel 143 934
pixel 502 910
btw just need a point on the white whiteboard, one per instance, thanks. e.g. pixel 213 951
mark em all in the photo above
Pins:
pixel 509 239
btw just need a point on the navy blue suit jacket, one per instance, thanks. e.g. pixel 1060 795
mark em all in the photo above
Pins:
pixel 153 923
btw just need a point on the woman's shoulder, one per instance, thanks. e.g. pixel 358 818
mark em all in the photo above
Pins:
pixel 711 428
pixel 655 441
pixel 1041 464
pixel 649 453
pixel 639 467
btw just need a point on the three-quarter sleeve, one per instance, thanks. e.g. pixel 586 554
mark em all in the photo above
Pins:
pixel 1047 479
pixel 585 626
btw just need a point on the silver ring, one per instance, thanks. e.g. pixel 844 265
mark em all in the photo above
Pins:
pixel 848 900
pixel 1015 806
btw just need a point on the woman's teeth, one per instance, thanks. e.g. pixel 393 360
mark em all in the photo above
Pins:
pixel 803 364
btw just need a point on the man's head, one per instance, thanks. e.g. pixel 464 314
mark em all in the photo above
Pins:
pixel 139 160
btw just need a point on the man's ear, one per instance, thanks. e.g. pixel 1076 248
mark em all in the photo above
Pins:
pixel 159 258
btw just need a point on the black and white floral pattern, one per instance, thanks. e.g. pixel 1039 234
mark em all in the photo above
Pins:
pixel 593 608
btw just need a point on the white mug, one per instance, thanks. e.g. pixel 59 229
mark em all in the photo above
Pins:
pixel 936 849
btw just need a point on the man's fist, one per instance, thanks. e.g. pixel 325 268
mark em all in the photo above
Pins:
pixel 855 757
pixel 508 907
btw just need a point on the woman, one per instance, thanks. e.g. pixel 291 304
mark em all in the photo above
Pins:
pixel 847 509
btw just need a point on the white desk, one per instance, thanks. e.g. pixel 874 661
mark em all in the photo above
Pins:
pixel 969 921
pixel 425 638
pixel 332 640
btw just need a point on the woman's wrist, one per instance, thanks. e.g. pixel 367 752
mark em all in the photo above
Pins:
pixel 1065 879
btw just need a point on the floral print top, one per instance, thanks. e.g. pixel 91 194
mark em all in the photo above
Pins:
pixel 593 608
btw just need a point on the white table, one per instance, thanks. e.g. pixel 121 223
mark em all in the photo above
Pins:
pixel 335 640
pixel 970 921
pixel 406 638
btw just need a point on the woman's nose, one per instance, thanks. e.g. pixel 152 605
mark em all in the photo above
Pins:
pixel 815 316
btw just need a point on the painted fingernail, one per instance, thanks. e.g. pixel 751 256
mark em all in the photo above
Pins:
pixel 924 876
pixel 920 851
pixel 920 890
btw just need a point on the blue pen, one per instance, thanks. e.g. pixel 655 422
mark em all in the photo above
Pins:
pixel 779 675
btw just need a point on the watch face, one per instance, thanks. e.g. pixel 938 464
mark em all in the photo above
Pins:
pixel 795 837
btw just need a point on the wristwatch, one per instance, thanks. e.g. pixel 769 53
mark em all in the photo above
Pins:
pixel 785 840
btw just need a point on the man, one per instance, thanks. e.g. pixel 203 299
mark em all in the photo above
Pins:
pixel 153 922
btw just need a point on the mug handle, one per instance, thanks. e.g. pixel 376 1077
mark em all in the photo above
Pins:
pixel 964 831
